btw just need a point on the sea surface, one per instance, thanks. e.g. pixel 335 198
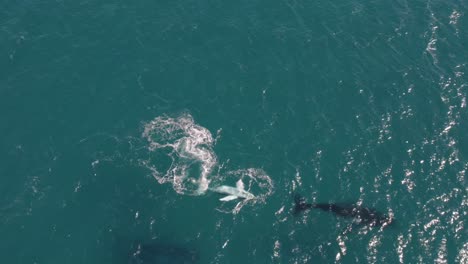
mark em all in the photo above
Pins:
pixel 118 117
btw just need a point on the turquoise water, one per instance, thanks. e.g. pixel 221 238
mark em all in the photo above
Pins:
pixel 117 116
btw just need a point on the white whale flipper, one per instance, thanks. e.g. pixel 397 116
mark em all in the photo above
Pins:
pixel 237 192
pixel 240 185
pixel 228 198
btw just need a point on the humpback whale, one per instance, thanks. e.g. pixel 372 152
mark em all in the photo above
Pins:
pixel 233 192
pixel 363 215
pixel 141 250
pixel 159 252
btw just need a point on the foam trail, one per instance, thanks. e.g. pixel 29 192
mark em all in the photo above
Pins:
pixel 189 146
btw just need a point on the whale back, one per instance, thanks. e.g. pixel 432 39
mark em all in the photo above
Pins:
pixel 364 215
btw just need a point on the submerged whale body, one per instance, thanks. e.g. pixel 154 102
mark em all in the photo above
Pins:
pixel 363 215
pixel 161 253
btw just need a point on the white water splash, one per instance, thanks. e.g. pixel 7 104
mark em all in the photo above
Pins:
pixel 463 254
pixel 181 153
pixel 431 47
pixel 189 147
pixel 454 17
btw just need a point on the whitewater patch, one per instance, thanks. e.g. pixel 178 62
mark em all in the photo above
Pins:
pixel 188 148
pixel 180 152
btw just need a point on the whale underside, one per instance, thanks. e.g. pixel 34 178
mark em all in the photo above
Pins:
pixel 362 215
pixel 233 193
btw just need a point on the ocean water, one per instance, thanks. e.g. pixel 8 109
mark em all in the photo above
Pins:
pixel 116 117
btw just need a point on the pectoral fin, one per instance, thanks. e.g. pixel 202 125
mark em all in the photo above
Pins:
pixel 228 198
pixel 240 185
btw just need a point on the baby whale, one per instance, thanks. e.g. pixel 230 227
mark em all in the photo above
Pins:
pixel 363 215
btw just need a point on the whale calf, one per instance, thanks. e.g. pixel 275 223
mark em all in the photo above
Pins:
pixel 233 192
pixel 363 215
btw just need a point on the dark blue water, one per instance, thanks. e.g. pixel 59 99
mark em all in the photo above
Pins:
pixel 117 118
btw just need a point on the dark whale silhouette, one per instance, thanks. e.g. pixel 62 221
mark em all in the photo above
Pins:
pixel 363 215
pixel 149 251
pixel 162 253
